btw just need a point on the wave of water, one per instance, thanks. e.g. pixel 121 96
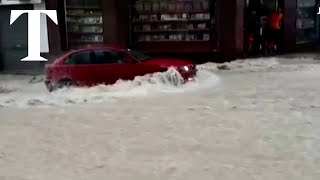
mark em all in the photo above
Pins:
pixel 25 93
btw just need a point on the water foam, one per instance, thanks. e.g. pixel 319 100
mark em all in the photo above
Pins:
pixel 23 93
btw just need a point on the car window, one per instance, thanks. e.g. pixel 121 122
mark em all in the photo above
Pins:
pixel 80 58
pixel 109 57
pixel 138 55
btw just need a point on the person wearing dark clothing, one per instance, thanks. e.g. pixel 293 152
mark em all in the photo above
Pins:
pixel 256 13
pixel 273 31
pixel 252 28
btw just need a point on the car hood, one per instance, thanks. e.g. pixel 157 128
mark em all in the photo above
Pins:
pixel 167 62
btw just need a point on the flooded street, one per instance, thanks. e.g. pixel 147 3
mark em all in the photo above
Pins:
pixel 259 120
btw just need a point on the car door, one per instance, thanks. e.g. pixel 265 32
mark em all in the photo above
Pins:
pixel 79 69
pixel 140 67
pixel 112 65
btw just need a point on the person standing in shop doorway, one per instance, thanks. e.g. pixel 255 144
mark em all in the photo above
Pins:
pixel 274 30
pixel 252 28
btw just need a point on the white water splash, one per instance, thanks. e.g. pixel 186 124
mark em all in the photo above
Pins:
pixel 20 92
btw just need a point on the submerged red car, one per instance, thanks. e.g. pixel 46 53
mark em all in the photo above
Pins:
pixel 105 65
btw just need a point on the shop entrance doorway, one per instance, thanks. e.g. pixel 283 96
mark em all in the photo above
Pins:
pixel 256 17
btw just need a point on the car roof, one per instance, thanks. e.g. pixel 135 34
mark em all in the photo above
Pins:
pixel 96 47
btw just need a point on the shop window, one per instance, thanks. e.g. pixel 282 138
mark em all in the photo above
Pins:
pixel 173 21
pixel 307 21
pixel 84 23
pixel 108 57
pixel 139 56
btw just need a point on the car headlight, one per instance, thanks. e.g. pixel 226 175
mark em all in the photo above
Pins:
pixel 186 68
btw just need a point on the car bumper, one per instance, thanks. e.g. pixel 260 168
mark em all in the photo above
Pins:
pixel 189 75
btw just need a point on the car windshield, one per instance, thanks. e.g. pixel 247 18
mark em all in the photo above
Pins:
pixel 140 56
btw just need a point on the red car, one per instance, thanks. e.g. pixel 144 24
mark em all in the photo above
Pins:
pixel 107 64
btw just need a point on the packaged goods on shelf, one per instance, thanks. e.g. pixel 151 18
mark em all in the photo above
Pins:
pixel 187 6
pixel 163 6
pixel 139 6
pixel 172 6
pixel 202 26
pixel 84 23
pixel 155 6
pixel 206 37
pixel 147 7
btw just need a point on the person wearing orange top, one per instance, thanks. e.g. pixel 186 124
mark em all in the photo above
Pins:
pixel 274 27
pixel 275 20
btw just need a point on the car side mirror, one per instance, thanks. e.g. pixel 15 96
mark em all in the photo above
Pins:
pixel 67 61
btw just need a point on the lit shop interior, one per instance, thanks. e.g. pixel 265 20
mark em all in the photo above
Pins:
pixel 84 23
pixel 158 25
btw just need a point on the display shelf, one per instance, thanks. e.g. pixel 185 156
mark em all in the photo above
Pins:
pixel 304 41
pixel 307 23
pixel 172 25
pixel 161 41
pixel 172 30
pixel 85 33
pixel 83 7
pixel 174 37
pixel 84 15
pixel 305 28
pixel 172 21
pixel 306 3
pixel 173 12
pixel 85 42
pixel 308 7
pixel 84 23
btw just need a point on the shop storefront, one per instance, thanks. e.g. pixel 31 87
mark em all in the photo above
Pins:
pixel 166 26
pixel 179 26
pixel 84 23
pixel 300 29
pixel 152 26
pixel 301 25
pixel 174 26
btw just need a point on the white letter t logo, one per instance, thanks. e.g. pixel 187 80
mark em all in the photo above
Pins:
pixel 33 30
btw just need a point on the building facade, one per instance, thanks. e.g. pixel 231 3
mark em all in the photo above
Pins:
pixel 197 26
pixel 153 26
pixel 184 26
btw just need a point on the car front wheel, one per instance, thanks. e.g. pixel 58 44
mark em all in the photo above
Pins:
pixel 64 84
